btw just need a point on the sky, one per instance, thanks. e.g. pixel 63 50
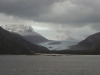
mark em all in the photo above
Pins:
pixel 54 18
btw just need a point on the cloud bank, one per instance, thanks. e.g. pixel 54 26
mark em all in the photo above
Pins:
pixel 55 14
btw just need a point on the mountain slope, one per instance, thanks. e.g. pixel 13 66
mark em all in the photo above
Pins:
pixel 11 43
pixel 88 43
pixel 27 32
pixel 33 37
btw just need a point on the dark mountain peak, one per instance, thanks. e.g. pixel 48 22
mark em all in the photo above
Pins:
pixel 92 39
pixel 18 28
pixel 1 29
pixel 12 43
pixel 88 43
pixel 27 32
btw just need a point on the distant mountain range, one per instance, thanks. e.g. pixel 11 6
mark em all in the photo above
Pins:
pixel 27 32
pixel 12 43
pixel 91 45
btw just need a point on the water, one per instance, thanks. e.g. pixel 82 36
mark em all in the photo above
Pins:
pixel 49 65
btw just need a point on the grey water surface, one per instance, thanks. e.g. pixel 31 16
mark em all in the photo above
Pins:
pixel 49 65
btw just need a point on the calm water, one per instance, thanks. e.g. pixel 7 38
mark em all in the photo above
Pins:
pixel 49 65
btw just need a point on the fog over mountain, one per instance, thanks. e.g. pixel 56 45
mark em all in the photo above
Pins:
pixel 79 17
pixel 27 32
pixel 12 43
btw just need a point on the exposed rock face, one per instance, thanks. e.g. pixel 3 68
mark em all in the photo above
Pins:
pixel 27 32
pixel 11 43
pixel 89 43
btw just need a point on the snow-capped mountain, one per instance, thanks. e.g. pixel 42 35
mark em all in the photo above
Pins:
pixel 18 28
pixel 12 43
pixel 26 31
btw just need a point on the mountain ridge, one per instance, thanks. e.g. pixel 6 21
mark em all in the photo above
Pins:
pixel 27 32
pixel 88 42
pixel 91 45
pixel 12 43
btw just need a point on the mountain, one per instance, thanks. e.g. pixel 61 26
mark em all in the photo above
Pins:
pixel 91 44
pixel 12 43
pixel 27 32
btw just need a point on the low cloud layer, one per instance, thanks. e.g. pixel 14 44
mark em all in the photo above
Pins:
pixel 68 12
pixel 25 8
pixel 55 14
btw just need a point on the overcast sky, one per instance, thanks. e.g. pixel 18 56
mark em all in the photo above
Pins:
pixel 79 18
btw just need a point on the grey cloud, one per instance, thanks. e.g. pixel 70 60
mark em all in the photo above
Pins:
pixel 24 8
pixel 96 26
pixel 75 13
